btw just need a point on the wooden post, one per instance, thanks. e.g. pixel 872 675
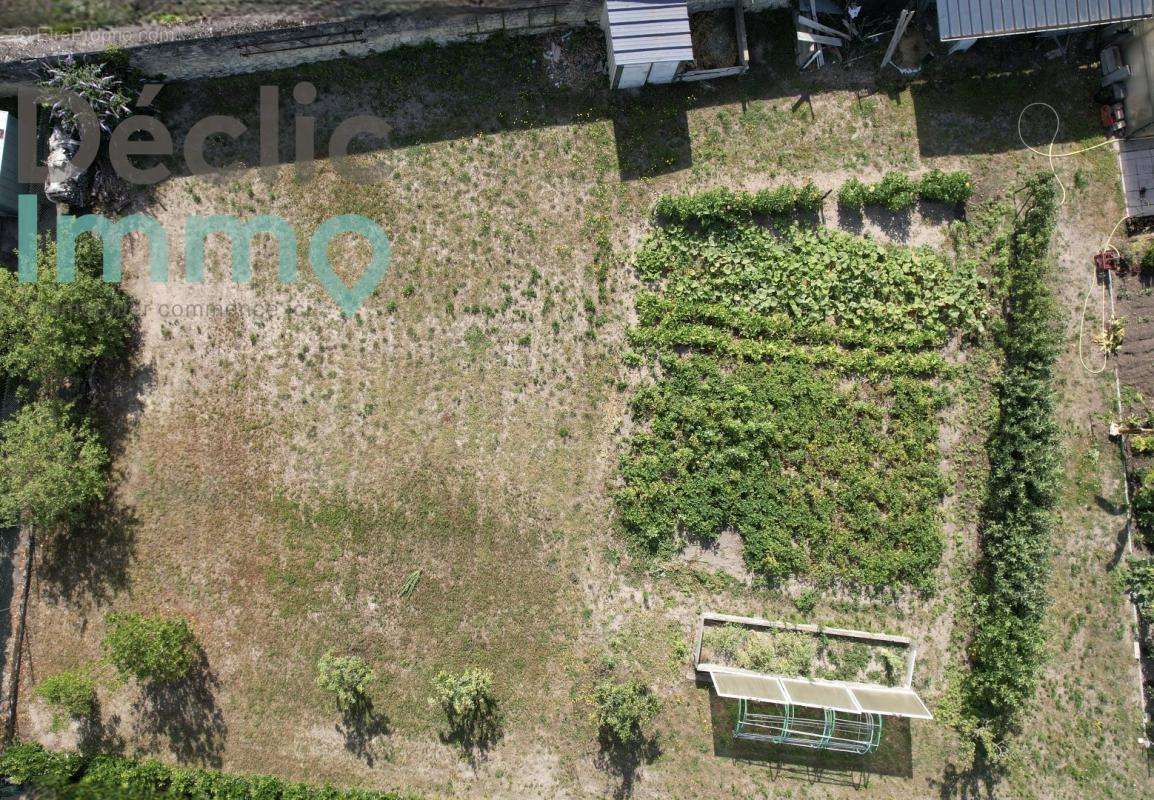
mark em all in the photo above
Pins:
pixel 13 693
pixel 899 31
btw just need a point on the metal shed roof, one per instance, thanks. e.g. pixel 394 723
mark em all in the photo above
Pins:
pixel 649 31
pixel 973 19
pixel 1136 159
pixel 853 698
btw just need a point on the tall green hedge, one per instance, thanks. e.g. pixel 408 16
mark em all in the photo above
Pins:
pixel 1007 650
pixel 69 776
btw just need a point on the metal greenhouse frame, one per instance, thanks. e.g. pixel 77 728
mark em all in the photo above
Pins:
pixel 824 730
pixel 839 716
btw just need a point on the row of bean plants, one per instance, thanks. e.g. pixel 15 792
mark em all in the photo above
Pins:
pixel 796 400
pixel 1018 516
pixel 726 205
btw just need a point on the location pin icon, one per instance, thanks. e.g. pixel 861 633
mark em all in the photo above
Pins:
pixel 349 298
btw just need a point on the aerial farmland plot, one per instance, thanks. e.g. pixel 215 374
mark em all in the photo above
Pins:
pixel 800 348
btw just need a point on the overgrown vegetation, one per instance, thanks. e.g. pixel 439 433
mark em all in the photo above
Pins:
pixel 898 192
pixel 72 776
pixel 799 653
pixel 151 649
pixel 752 423
pixel 1008 645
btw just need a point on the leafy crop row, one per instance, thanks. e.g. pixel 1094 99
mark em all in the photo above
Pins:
pixel 70 776
pixel 898 192
pixel 726 205
pixel 797 400
pixel 1007 650
pixel 815 277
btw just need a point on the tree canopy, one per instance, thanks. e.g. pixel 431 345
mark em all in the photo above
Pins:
pixel 51 467
pixel 52 332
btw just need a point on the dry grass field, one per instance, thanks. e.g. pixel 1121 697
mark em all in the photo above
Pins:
pixel 282 470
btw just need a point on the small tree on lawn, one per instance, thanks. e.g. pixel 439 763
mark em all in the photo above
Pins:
pixel 469 704
pixel 347 678
pixel 153 650
pixel 70 694
pixel 622 710
pixel 51 468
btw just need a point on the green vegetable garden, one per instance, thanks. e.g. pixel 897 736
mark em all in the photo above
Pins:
pixel 799 384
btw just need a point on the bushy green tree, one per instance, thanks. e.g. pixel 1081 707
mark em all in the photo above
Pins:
pixel 347 678
pixel 52 332
pixel 152 649
pixel 622 710
pixel 468 701
pixel 69 694
pixel 51 467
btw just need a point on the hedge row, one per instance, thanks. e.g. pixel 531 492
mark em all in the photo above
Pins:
pixel 726 205
pixel 898 192
pixel 70 776
pixel 1008 647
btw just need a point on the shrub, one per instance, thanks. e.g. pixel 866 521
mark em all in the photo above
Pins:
pixel 347 678
pixel 95 84
pixel 467 699
pixel 898 192
pixel 31 764
pixel 953 188
pixel 1142 445
pixel 1147 263
pixel 853 195
pixel 53 332
pixel 51 468
pixel 895 192
pixel 154 650
pixel 1139 579
pixel 779 652
pixel 75 777
pixel 1143 503
pixel 623 710
pixel 71 693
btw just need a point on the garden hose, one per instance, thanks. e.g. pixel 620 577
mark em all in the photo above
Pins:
pixel 1049 151
pixel 1109 287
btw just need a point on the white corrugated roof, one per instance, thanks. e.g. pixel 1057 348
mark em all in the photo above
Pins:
pixel 973 19
pixel 854 698
pixel 649 31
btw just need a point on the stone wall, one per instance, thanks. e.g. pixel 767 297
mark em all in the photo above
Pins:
pixel 224 48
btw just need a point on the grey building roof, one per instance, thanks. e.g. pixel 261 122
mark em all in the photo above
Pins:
pixel 972 19
pixel 1136 160
pixel 648 31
